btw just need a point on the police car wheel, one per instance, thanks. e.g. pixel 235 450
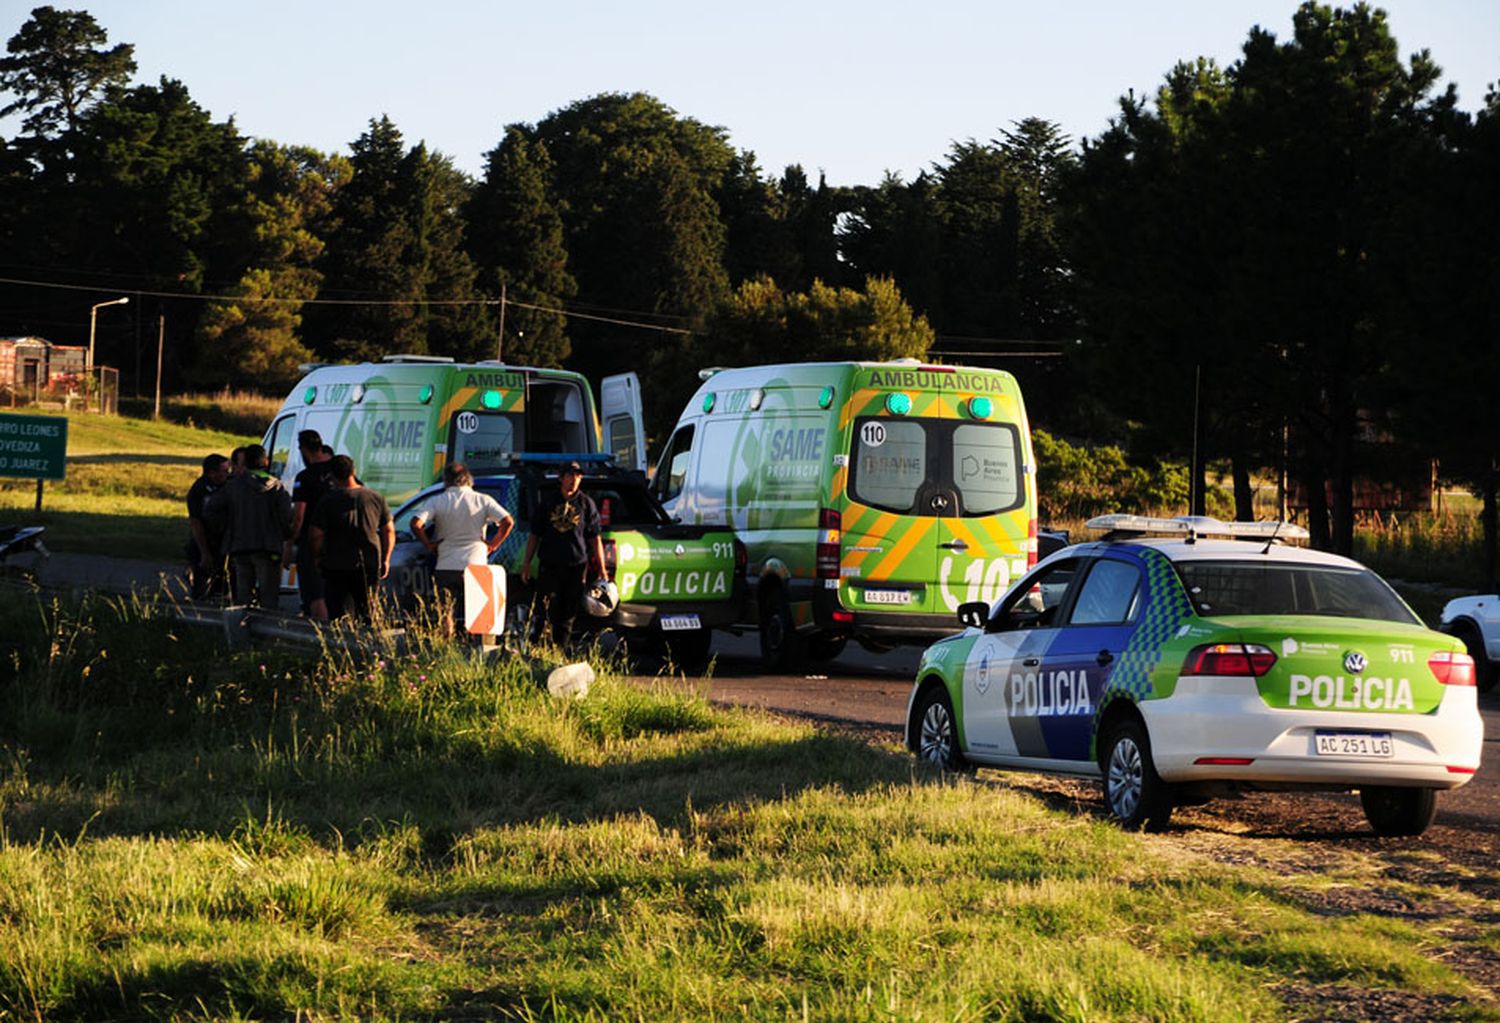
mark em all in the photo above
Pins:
pixel 1398 813
pixel 937 731
pixel 781 648
pixel 1136 796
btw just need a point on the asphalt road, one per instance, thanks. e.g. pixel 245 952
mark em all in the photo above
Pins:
pixel 871 690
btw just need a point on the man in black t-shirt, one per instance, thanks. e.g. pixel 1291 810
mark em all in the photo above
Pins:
pixel 352 538
pixel 307 490
pixel 565 530
pixel 205 546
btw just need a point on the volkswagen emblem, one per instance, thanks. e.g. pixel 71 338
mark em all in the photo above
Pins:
pixel 680 550
pixel 1354 662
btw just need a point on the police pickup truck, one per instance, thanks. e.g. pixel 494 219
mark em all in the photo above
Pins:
pixel 676 582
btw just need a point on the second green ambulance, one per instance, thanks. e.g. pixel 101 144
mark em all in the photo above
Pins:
pixel 403 418
pixel 873 498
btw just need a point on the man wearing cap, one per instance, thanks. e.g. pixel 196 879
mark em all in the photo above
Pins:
pixel 459 517
pixel 565 532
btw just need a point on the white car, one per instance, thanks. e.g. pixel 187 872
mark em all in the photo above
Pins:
pixel 1180 667
pixel 1476 621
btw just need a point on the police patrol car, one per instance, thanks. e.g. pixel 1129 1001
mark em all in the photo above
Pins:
pixel 675 582
pixel 1182 665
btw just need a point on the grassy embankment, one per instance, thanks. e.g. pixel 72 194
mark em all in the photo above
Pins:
pixel 188 835
pixel 127 479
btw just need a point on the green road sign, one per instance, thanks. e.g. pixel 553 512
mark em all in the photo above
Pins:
pixel 33 447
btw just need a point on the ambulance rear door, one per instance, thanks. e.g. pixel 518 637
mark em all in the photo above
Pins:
pixel 623 420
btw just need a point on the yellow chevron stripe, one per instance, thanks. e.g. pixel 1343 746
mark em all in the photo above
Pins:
pixel 917 531
pixel 869 537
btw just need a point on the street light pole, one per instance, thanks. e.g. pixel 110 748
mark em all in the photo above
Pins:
pixel 88 370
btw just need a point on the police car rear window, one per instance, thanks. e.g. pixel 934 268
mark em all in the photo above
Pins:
pixel 1225 588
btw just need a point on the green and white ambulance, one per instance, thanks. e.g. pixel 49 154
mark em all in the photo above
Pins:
pixel 403 418
pixel 873 498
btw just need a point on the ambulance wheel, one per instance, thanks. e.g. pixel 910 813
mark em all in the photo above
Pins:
pixel 690 650
pixel 936 731
pixel 825 648
pixel 1134 793
pixel 781 647
pixel 1398 813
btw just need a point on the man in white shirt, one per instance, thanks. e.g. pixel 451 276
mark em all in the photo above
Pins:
pixel 459 516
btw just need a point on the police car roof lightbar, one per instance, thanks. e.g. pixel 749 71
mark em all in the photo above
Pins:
pixel 1193 526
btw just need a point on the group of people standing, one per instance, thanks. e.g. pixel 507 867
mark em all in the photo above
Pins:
pixel 339 535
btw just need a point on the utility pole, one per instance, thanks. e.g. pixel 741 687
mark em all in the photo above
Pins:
pixel 1195 473
pixel 161 337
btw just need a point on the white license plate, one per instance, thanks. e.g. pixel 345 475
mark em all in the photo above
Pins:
pixel 887 596
pixel 1360 745
pixel 680 623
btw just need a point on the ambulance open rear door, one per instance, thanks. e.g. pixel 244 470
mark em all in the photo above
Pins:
pixel 623 420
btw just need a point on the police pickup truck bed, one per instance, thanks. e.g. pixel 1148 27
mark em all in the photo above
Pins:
pixel 677 582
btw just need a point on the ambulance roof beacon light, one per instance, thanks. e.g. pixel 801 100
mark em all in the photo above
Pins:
pixel 981 407
pixel 825 397
pixel 898 403
pixel 309 396
pixel 426 396
pixel 491 399
pixel 708 402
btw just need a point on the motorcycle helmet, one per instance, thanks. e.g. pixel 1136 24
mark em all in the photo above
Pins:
pixel 601 598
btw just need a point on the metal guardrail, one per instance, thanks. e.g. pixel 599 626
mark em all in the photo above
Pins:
pixel 241 625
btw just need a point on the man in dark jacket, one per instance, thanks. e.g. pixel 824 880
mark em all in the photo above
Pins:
pixel 307 490
pixel 255 512
pixel 205 547
pixel 565 529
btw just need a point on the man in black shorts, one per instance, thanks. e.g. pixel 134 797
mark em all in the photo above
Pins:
pixel 565 529
pixel 307 490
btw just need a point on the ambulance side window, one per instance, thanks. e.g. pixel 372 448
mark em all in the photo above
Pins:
pixel 671 474
pixel 279 444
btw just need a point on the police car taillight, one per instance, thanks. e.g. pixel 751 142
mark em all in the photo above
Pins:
pixel 1452 669
pixel 830 527
pixel 1248 659
pixel 609 558
pixel 741 557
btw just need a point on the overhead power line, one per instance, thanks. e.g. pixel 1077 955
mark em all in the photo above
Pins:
pixel 559 310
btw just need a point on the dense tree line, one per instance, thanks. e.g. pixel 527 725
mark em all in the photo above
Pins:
pixel 1270 264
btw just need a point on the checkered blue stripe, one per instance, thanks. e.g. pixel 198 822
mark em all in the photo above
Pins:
pixel 1167 607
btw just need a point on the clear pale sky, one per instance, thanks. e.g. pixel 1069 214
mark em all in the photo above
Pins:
pixel 852 89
